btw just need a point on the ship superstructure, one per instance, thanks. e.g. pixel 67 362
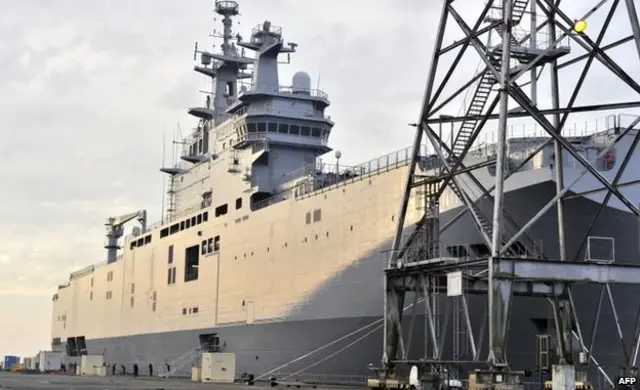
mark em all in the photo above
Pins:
pixel 267 252
pixel 249 133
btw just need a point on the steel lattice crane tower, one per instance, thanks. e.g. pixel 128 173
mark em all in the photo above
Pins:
pixel 513 266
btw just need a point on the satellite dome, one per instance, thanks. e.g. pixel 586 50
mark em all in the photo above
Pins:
pixel 301 83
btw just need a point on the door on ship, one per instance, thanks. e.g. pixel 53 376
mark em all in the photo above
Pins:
pixel 250 312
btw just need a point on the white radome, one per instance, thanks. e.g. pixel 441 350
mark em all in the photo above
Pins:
pixel 301 82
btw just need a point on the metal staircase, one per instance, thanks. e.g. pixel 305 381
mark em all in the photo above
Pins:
pixel 478 101
pixel 517 249
pixel 485 224
pixel 481 94
pixel 518 9
pixel 184 361
pixel 475 110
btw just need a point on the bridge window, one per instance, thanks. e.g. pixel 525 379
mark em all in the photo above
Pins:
pixel 273 127
pixel 262 127
pixel 251 127
pixel 305 130
pixel 315 132
pixel 294 129
pixel 283 128
pixel 238 203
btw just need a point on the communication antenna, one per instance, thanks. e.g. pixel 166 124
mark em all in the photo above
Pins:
pixel 164 179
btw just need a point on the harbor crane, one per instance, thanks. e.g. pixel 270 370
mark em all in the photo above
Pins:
pixel 517 42
pixel 115 230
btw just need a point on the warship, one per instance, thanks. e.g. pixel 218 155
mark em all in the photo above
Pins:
pixel 270 253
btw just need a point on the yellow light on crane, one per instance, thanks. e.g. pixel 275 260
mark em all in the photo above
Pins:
pixel 579 26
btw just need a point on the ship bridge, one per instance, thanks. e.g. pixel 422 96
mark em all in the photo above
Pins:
pixel 291 115
pixel 258 129
pixel 269 120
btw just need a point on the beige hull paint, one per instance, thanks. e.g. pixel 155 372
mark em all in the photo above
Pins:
pixel 271 261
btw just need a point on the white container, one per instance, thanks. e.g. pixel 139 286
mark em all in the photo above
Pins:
pixel 49 361
pixel 92 365
pixel 218 367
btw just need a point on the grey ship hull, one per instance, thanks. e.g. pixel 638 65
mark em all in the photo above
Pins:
pixel 263 348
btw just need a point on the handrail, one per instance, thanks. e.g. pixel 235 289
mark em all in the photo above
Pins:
pixel 599 126
pixel 276 88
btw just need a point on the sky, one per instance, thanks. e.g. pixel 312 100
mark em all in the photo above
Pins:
pixel 88 88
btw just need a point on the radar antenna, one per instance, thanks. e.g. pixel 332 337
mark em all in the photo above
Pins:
pixel 227 9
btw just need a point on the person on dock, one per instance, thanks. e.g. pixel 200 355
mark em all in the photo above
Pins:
pixel 150 369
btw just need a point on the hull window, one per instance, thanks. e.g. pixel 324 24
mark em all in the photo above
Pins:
pixel 191 263
pixel 221 210
pixel 171 275
pixel 210 343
